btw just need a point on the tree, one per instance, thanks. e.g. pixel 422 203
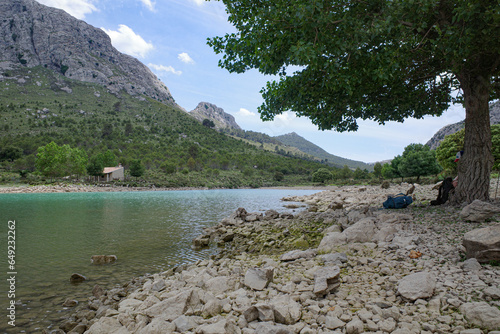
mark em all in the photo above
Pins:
pixel 495 139
pixel 208 123
pixel 53 160
pixel 345 172
pixel 387 171
pixel 136 168
pixel 10 153
pixel 452 143
pixel 95 166
pixel 418 160
pixel 76 161
pixel 377 170
pixel 339 61
pixel 322 175
pixel 108 159
pixel 447 151
pixel 49 160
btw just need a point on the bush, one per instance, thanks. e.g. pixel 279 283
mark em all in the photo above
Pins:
pixel 385 185
pixel 322 175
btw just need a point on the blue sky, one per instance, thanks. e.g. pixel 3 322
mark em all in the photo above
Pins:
pixel 169 36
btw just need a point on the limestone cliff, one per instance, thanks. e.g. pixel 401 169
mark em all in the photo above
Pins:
pixel 221 119
pixel 32 34
pixel 434 142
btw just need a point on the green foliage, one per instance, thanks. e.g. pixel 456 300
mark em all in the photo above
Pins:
pixel 453 143
pixel 279 176
pixel 167 167
pixel 164 148
pixel 340 61
pixel 136 168
pixel 335 43
pixel 388 172
pixel 95 166
pixel 377 169
pixel 53 160
pixel 418 160
pixel 495 141
pixel 447 150
pixel 322 175
pixel 293 139
pixel 345 173
pixel 208 123
pixel 10 153
pixel 99 161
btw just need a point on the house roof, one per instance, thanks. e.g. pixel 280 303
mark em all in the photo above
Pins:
pixel 108 170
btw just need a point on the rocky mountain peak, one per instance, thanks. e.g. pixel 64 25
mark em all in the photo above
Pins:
pixel 210 111
pixel 32 34
pixel 449 129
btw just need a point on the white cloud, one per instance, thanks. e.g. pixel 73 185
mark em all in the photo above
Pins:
pixel 185 58
pixel 77 8
pixel 198 2
pixel 149 4
pixel 163 68
pixel 245 113
pixel 127 41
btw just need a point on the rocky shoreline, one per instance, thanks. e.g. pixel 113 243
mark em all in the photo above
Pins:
pixel 79 188
pixel 343 265
pixel 85 188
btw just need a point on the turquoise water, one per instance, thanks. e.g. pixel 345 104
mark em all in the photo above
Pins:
pixel 149 232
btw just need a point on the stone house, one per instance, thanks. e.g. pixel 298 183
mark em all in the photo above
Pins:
pixel 113 173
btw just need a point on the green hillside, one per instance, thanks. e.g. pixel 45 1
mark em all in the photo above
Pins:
pixel 293 139
pixel 38 106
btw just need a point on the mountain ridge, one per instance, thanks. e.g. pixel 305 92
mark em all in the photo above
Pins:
pixel 449 129
pixel 32 34
pixel 295 140
pixel 221 119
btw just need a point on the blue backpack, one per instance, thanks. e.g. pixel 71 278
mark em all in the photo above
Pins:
pixel 399 201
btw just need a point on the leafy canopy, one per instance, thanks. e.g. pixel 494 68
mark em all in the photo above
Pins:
pixel 338 61
pixel 451 144
pixel 418 160
pixel 53 160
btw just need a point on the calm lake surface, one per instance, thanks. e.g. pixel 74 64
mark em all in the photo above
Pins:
pixel 149 232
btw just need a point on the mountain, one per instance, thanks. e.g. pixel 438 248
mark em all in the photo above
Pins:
pixel 221 119
pixel 293 139
pixel 32 34
pixel 434 142
pixel 61 81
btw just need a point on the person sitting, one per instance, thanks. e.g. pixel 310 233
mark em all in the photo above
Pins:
pixel 444 191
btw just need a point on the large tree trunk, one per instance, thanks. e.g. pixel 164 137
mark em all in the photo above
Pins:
pixel 475 165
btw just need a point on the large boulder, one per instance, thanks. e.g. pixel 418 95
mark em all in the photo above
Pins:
pixel 173 307
pixel 482 314
pixel 298 254
pixel 286 310
pixel 483 243
pixel 223 326
pixel 479 211
pixel 325 280
pixel 258 278
pixel 331 241
pixel 417 286
pixel 362 231
pixel 107 325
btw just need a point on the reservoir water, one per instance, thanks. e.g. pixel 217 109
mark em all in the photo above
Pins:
pixel 149 232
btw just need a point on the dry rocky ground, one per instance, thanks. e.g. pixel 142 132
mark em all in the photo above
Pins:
pixel 342 265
